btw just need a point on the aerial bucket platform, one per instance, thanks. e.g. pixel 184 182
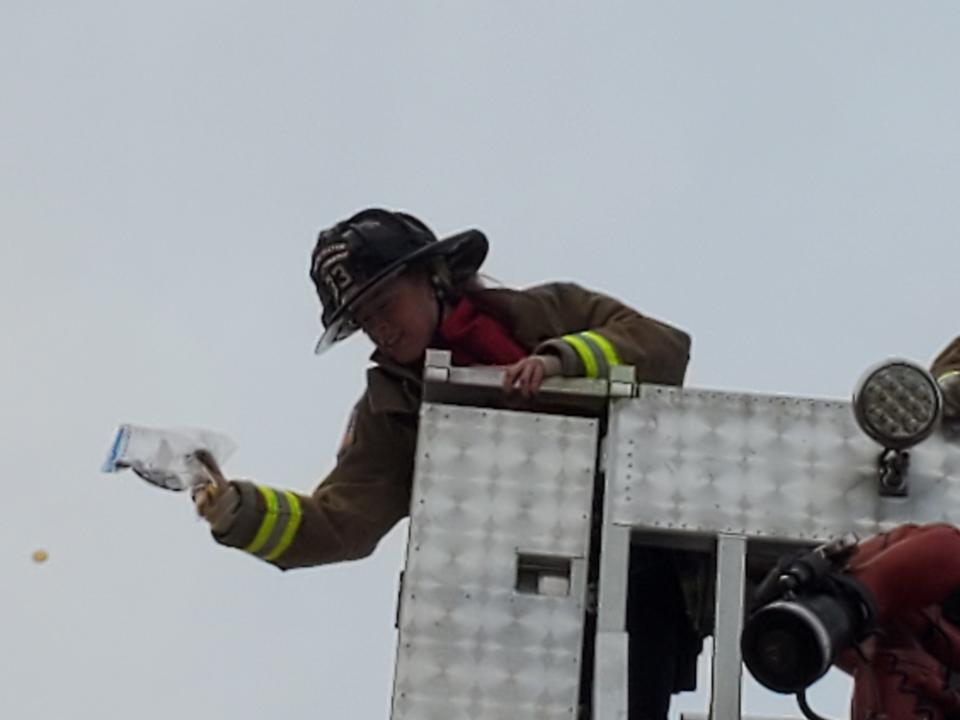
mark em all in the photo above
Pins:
pixel 513 599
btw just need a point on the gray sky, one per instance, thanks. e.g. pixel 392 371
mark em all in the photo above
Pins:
pixel 780 179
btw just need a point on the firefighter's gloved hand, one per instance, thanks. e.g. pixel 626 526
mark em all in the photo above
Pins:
pixel 218 501
pixel 950 385
pixel 527 375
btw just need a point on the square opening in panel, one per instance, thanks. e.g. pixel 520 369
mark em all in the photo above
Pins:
pixel 543 575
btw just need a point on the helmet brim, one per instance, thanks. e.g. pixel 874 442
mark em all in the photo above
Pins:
pixel 464 252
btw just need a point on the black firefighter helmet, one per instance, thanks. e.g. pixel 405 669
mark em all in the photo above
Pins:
pixel 357 256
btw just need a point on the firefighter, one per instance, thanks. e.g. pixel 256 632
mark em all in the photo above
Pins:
pixel 889 611
pixel 386 273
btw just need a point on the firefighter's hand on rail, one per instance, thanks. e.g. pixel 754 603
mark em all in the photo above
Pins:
pixel 527 375
pixel 216 501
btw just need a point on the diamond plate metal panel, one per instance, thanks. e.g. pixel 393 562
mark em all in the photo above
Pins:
pixel 763 466
pixel 490 484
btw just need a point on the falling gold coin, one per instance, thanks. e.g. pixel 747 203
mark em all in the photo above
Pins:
pixel 40 556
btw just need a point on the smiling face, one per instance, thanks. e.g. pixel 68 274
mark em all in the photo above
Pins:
pixel 401 317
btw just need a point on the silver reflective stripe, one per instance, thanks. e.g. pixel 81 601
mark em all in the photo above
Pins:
pixel 603 367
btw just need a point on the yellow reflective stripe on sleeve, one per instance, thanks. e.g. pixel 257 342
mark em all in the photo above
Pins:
pixel 609 352
pixel 947 375
pixel 585 353
pixel 290 531
pixel 269 520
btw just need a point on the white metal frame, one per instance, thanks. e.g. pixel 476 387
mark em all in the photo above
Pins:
pixel 730 473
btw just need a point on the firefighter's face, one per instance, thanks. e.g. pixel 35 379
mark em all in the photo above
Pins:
pixel 401 317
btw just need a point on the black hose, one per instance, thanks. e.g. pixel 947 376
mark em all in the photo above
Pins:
pixel 805 708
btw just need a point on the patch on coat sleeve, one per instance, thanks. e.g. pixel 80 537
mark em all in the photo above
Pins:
pixel 349 433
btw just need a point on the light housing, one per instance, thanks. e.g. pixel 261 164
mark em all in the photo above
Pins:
pixel 898 404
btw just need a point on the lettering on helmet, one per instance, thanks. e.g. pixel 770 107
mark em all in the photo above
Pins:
pixel 334 273
pixel 324 254
pixel 341 276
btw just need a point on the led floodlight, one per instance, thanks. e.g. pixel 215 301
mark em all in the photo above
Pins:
pixel 898 404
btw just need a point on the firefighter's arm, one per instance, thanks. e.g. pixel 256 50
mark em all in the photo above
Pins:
pixel 361 499
pixel 606 332
pixel 946 368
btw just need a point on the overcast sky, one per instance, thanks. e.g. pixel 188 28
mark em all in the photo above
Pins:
pixel 780 179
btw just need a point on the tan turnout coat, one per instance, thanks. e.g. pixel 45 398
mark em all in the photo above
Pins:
pixel 368 491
